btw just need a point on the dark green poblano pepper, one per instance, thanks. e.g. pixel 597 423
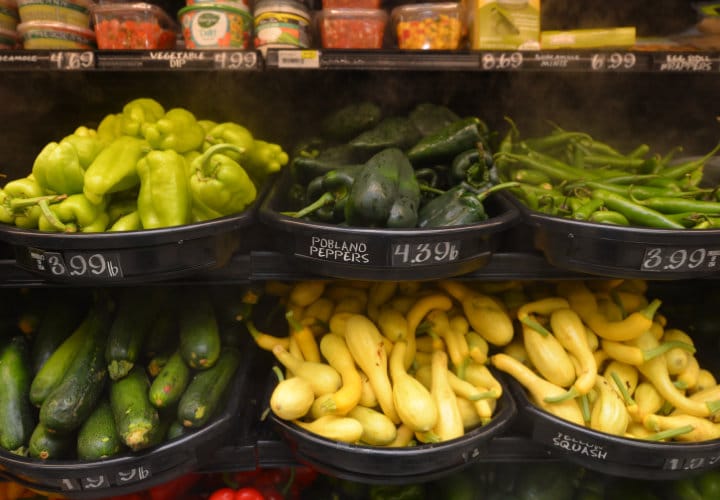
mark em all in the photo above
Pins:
pixel 461 204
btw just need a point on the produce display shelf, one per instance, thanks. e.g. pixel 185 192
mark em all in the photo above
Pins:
pixel 586 60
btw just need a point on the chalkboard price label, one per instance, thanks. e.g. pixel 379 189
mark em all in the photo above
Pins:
pixel 613 61
pixel 678 259
pixel 423 254
pixel 691 463
pixel 75 265
pixel 72 60
pixel 501 60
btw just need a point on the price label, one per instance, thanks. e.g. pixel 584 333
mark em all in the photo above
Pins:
pixel 503 60
pixel 613 61
pixel 79 265
pixel 419 254
pixel 235 60
pixel 691 463
pixel 72 60
pixel 298 58
pixel 665 259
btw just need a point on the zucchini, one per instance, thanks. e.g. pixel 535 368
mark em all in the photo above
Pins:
pixel 136 419
pixel 204 393
pixel 16 412
pixel 176 430
pixel 135 314
pixel 163 335
pixel 199 334
pixel 54 369
pixel 74 399
pixel 50 445
pixel 98 438
pixel 170 383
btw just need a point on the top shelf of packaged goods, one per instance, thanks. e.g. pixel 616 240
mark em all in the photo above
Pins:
pixel 592 61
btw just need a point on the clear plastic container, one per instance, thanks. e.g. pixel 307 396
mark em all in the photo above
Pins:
pixel 352 28
pixel 8 15
pixel 428 26
pixel 351 4
pixel 9 39
pixel 215 26
pixel 74 12
pixel 134 26
pixel 282 24
pixel 55 36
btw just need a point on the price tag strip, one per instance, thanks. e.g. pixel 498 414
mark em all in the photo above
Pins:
pixel 53 60
pixel 179 60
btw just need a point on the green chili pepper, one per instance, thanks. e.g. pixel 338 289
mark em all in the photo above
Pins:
pixel 385 192
pixel 392 132
pixel 688 167
pixel 624 162
pixel 57 169
pixel 137 113
pixel 638 192
pixel 230 133
pixel 219 186
pixel 551 167
pixel 348 121
pixel 74 214
pixel 115 168
pixel 118 208
pixel 263 159
pixel 672 205
pixel 110 128
pixel 636 214
pixel 447 142
pixel 471 166
pixel 557 139
pixel 459 205
pixel 163 200
pixel 87 143
pixel 128 222
pixel 430 118
pixel 20 201
pixel 609 217
pixel 207 125
pixel 177 129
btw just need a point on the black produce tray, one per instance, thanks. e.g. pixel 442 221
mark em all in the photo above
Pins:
pixel 623 251
pixel 384 465
pixel 132 472
pixel 385 254
pixel 107 258
pixel 613 455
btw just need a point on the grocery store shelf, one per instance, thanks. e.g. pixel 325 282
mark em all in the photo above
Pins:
pixel 593 61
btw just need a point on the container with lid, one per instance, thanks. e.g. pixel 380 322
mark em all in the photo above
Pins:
pixel 428 26
pixel 52 35
pixel 237 4
pixel 349 28
pixel 351 4
pixel 9 39
pixel 73 12
pixel 215 26
pixel 8 15
pixel 282 24
pixel 133 26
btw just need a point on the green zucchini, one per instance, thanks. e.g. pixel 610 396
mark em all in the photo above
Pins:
pixel 50 445
pixel 54 369
pixel 98 438
pixel 135 314
pixel 157 363
pixel 199 334
pixel 204 393
pixel 135 418
pixel 170 383
pixel 163 335
pixel 176 430
pixel 16 412
pixel 73 400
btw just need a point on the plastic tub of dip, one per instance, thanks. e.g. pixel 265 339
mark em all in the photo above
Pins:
pixel 9 39
pixel 237 4
pixel 428 26
pixel 55 35
pixel 282 24
pixel 215 26
pixel 133 26
pixel 352 28
pixel 72 12
pixel 8 15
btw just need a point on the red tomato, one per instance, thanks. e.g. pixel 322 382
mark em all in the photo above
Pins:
pixel 223 494
pixel 249 494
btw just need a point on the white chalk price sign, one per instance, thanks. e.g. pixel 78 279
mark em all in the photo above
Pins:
pixel 692 463
pixel 72 60
pixel 613 61
pixel 501 60
pixel 73 265
pixel 678 259
pixel 424 254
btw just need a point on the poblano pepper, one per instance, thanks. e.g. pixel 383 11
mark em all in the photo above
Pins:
pixel 219 186
pixel 395 131
pixel 449 141
pixel 311 162
pixel 461 204
pixel 472 166
pixel 329 194
pixel 429 118
pixel 385 192
pixel 348 121
pixel 74 214
pixel 115 168
pixel 178 130
pixel 139 112
pixel 20 202
pixel 164 199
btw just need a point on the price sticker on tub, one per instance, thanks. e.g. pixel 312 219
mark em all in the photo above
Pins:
pixel 676 259
pixel 92 265
pixel 72 60
pixel 424 254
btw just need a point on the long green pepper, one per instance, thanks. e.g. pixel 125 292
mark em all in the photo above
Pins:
pixel 164 199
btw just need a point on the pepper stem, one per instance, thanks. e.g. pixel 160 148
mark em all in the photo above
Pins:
pixel 670 433
pixel 325 199
pixel 494 189
pixel 19 203
pixel 50 216
pixel 430 189
pixel 202 162
pixel 649 354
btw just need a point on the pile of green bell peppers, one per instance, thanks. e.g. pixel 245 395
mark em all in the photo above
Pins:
pixel 144 167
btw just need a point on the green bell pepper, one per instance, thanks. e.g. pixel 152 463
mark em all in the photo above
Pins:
pixel 385 192
pixel 115 168
pixel 219 186
pixel 57 169
pixel 110 127
pixel 87 144
pixel 20 201
pixel 178 130
pixel 74 214
pixel 163 200
pixel 230 133
pixel 207 125
pixel 461 204
pixel 137 113
pixel 395 131
pixel 448 142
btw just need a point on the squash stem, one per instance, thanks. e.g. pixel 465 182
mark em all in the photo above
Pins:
pixel 629 401
pixel 670 433
pixel 570 394
pixel 528 321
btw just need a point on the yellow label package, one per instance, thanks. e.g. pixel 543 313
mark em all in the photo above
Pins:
pixel 505 25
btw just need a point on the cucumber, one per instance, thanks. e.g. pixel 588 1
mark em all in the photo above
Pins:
pixel 54 369
pixel 204 393
pixel 16 412
pixel 199 334
pixel 73 400
pixel 50 445
pixel 170 383
pixel 135 314
pixel 135 418
pixel 98 437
